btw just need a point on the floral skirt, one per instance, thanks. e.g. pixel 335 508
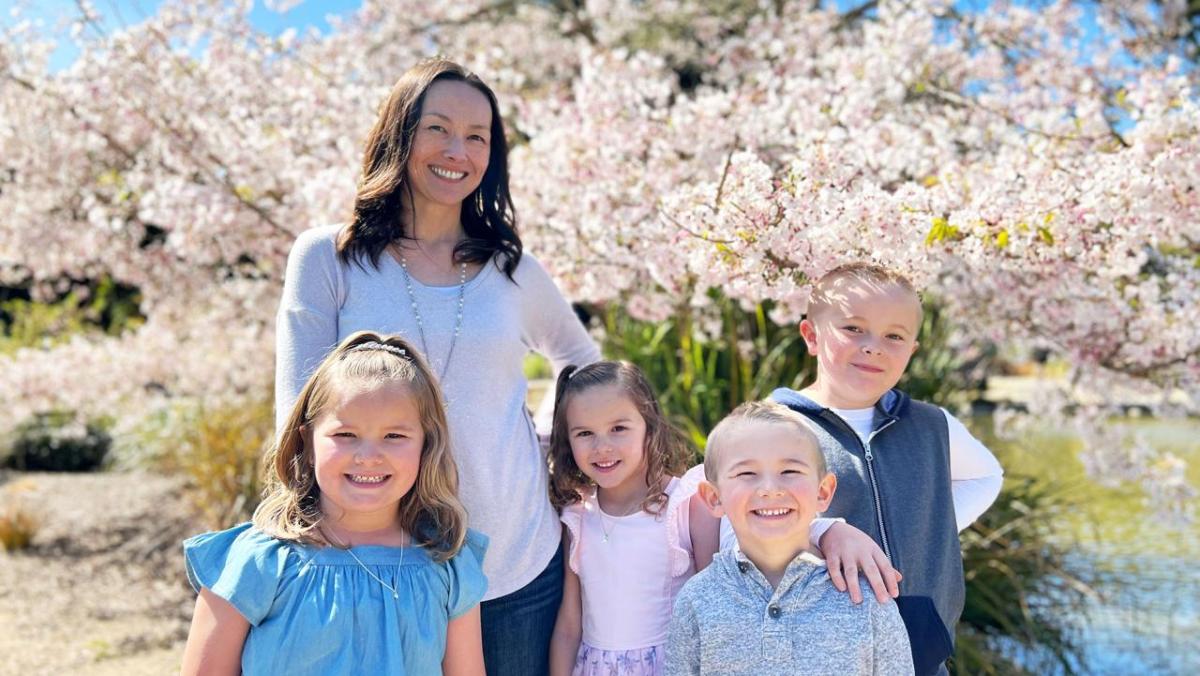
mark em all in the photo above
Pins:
pixel 641 662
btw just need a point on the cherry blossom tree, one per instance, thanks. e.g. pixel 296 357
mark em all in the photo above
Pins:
pixel 1035 166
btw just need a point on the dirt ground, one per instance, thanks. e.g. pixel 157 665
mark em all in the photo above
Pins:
pixel 101 590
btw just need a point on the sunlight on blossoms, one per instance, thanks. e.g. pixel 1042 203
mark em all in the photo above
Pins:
pixel 660 152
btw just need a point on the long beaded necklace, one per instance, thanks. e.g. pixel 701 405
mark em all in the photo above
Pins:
pixel 412 298
pixel 348 550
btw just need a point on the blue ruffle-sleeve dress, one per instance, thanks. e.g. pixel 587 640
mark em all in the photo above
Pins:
pixel 315 610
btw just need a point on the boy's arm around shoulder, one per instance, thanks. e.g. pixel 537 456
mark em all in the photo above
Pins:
pixel 683 636
pixel 215 640
pixel 889 638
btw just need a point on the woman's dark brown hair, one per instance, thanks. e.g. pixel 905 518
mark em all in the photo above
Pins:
pixel 667 452
pixel 488 216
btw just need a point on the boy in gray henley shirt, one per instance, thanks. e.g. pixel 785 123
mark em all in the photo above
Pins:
pixel 768 606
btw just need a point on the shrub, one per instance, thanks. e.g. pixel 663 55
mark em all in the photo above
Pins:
pixel 218 451
pixel 699 380
pixel 93 306
pixel 18 524
pixel 58 442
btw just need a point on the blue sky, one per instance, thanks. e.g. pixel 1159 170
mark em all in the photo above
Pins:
pixel 54 13
pixel 306 14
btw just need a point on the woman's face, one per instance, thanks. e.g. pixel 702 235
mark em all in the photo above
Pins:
pixel 451 146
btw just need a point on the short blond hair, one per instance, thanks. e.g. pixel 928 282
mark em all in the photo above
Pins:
pixel 760 412
pixel 825 290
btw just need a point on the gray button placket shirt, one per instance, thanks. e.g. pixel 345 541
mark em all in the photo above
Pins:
pixel 729 620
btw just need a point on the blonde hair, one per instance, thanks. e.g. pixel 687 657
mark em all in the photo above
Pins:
pixel 760 412
pixel 667 452
pixel 826 290
pixel 430 512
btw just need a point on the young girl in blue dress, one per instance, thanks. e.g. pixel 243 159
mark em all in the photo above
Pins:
pixel 359 559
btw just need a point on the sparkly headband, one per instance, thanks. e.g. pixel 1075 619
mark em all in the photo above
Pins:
pixel 376 345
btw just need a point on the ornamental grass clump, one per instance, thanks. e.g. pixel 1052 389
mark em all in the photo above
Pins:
pixel 217 449
pixel 17 527
pixel 222 459
pixel 18 522
pixel 1024 588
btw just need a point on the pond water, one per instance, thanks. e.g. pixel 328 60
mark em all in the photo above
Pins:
pixel 1147 620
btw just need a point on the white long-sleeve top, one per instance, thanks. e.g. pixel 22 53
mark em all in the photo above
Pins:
pixel 502 472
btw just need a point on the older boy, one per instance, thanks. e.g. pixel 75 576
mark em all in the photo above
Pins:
pixel 768 606
pixel 909 474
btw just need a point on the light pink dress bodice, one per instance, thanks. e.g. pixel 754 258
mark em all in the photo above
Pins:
pixel 630 568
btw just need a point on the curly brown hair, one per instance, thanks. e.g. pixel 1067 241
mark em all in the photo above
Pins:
pixel 667 451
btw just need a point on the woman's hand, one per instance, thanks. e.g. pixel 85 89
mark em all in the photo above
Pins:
pixel 848 550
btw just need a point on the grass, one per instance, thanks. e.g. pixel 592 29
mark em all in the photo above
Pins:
pixel 18 523
pixel 218 449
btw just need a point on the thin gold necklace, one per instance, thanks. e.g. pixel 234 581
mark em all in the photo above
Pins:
pixel 346 548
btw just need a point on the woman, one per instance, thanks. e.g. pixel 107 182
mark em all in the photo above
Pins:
pixel 432 253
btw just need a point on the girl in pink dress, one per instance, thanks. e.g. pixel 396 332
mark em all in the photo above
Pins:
pixel 633 527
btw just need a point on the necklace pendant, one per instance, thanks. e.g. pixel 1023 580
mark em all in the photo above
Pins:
pixel 605 537
pixel 395 594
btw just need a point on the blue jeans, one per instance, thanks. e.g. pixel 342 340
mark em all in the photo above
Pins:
pixel 517 627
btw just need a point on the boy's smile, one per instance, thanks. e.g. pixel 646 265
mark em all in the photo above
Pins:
pixel 862 341
pixel 769 487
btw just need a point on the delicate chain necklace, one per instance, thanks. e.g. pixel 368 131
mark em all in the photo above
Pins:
pixel 604 528
pixel 412 297
pixel 348 550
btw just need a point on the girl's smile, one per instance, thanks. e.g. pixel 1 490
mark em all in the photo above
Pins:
pixel 366 451
pixel 606 466
pixel 608 438
pixel 368 479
